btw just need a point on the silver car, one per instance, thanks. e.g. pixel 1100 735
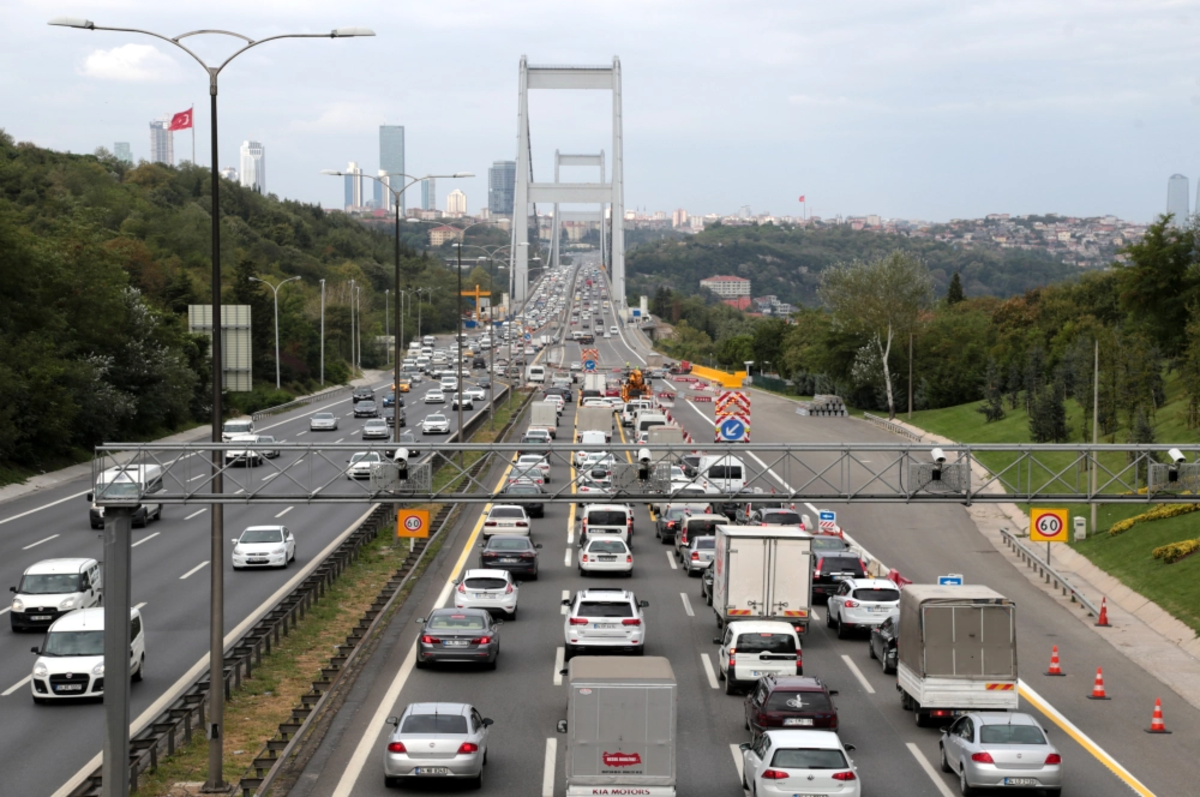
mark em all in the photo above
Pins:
pixel 323 421
pixel 376 427
pixel 435 424
pixel 1001 750
pixel 493 590
pixel 698 555
pixel 459 635
pixel 437 741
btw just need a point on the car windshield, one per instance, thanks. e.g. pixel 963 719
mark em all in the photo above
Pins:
pixel 74 643
pixel 511 512
pixel 766 643
pixel 262 535
pixel 369 456
pixel 882 595
pixel 605 609
pixel 523 489
pixel 809 759
pixel 485 582
pixel 434 723
pixel 237 427
pixel 675 513
pixel 702 526
pixel 829 544
pixel 455 622
pixel 782 518
pixel 1011 734
pixel 323 416
pixel 606 517
pixel 366 405
pixel 706 543
pixel 530 461
pixel 436 418
pixel 49 584
pixel 798 701
pixel 607 546
pixel 839 564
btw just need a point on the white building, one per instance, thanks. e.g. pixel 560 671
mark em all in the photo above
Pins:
pixel 727 287
pixel 354 186
pixel 456 203
pixel 162 141
pixel 230 173
pixel 253 169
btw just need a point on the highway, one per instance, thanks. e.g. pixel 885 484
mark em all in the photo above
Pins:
pixel 1104 748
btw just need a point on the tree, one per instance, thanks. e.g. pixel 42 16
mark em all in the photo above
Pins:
pixel 1142 432
pixel 993 396
pixel 954 294
pixel 879 300
pixel 1160 281
pixel 1048 417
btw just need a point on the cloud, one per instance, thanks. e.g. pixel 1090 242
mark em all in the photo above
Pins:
pixel 131 63
pixel 342 116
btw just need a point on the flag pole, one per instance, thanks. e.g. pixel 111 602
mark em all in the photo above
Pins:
pixel 193 116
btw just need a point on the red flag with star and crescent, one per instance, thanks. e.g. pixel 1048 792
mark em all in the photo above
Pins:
pixel 802 197
pixel 181 121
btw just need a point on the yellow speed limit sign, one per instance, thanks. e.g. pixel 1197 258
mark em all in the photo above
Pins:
pixel 1047 525
pixel 412 523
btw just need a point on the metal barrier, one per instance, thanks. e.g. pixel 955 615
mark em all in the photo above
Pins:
pixel 1047 572
pixel 300 402
pixel 894 428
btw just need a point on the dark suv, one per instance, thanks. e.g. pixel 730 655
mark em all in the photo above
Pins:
pixel 831 568
pixel 790 701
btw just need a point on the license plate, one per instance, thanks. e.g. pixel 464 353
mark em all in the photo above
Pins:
pixel 877 608
pixel 797 721
pixel 508 560
pixel 756 673
pixel 256 561
pixel 431 770
pixel 605 626
pixel 39 617
pixel 69 688
pixel 478 595
pixel 608 558
pixel 455 643
pixel 1020 781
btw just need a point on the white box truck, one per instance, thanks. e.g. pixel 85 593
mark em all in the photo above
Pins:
pixel 763 573
pixel 957 650
pixel 594 419
pixel 543 414
pixel 595 381
pixel 663 435
pixel 620 726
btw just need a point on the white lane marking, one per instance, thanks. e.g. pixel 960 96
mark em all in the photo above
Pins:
pixel 942 788
pixel 147 538
pixel 194 570
pixel 271 476
pixel 284 512
pixel 140 605
pixel 709 672
pixel 43 506
pixel 559 663
pixel 566 596
pixel 303 432
pixel 39 542
pixel 338 441
pixel 671 560
pixel 567 558
pixel 738 761
pixel 814 616
pixel 201 476
pixel 548 767
pixel 197 512
pixel 5 610
pixel 16 686
pixel 348 414
pixel 862 679
pixel 687 605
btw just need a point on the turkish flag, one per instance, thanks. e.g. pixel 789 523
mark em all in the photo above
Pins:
pixel 181 121
pixel 801 196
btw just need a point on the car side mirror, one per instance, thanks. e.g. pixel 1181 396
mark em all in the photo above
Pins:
pixel 393 720
pixel 850 747
pixel 716 640
pixel 91 496
pixel 562 724
pixel 12 589
pixel 744 746
pixel 488 722
pixel 35 649
pixel 833 691
pixel 643 604
pixel 234 540
pixel 420 621
pixel 566 602
pixel 537 545
pixel 944 729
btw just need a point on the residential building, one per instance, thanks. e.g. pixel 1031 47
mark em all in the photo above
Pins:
pixel 1177 199
pixel 502 185
pixel 439 235
pixel 354 186
pixel 391 160
pixel 162 142
pixel 456 203
pixel 229 173
pixel 727 287
pixel 122 151
pixel 253 170
pixel 679 218
pixel 429 194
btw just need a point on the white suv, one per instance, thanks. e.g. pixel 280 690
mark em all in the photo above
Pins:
pixel 604 619
pixel 751 649
pixel 506 519
pixel 606 520
pixel 861 603
pixel 70 660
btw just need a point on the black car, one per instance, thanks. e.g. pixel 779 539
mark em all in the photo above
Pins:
pixel 736 509
pixel 366 409
pixel 484 383
pixel 528 488
pixel 883 643
pixel 515 553
pixel 667 524
pixel 831 568
pixel 780 701
pixel 706 582
pixel 391 417
pixel 362 394
pixel 479 362
pixel 690 464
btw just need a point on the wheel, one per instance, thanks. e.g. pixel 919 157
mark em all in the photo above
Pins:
pixel 141 524
pixel 965 788
pixel 842 631
pixel 944 762
pixel 886 669
pixel 39 700
pixel 871 650
pixel 582 573
pixel 421 664
pixel 919 717
pixel 533 576
pixel 708 598
pixel 476 782
pixel 141 670
pixel 829 622
pixel 491 665
pixel 512 616
pixel 692 573
pixel 158 513
pixel 746 723
pixel 485 756
pixel 730 689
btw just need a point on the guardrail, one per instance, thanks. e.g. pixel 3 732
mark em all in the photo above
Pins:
pixel 300 402
pixel 894 428
pixel 1047 572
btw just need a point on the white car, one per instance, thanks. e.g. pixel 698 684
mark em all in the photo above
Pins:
pixel 601 555
pixel 323 422
pixel 70 660
pixel 750 649
pixel 861 603
pixel 493 590
pixel 362 463
pixel 537 462
pixel 604 619
pixel 506 519
pixel 558 401
pixel 264 546
pixel 476 394
pixel 435 396
pixel 778 763
pixel 465 400
pixel 436 424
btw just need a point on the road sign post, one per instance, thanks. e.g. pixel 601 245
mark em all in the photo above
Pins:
pixel 950 580
pixel 412 523
pixel 827 519
pixel 1047 525
pixel 731 417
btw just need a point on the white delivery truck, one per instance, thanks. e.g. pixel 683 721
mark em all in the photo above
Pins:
pixel 620 726
pixel 763 573
pixel 543 414
pixel 957 649
pixel 594 419
pixel 594 381
pixel 662 435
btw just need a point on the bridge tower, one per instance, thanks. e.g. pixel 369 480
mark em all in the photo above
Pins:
pixel 561 216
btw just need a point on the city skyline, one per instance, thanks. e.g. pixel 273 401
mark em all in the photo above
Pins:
pixel 252 171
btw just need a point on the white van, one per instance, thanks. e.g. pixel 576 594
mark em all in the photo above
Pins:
pixel 537 373
pixel 129 480
pixel 53 587
pixel 727 473
pixel 606 520
pixel 236 428
pixel 751 649
pixel 645 420
pixel 428 340
pixel 70 661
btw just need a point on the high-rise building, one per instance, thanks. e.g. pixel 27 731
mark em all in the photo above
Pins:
pixel 391 159
pixel 1177 199
pixel 354 186
pixel 254 166
pixel 122 151
pixel 162 142
pixel 429 194
pixel 679 218
pixel 456 203
pixel 727 287
pixel 229 173
pixel 502 184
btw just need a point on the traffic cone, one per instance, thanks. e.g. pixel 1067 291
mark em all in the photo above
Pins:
pixel 1098 687
pixel 1156 723
pixel 1102 620
pixel 1054 668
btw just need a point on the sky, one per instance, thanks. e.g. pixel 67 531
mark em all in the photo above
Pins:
pixel 906 109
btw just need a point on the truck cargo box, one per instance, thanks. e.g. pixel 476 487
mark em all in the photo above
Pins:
pixel 965 632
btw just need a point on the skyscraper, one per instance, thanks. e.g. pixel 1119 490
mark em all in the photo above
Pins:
pixel 429 194
pixel 456 203
pixel 1177 200
pixel 354 186
pixel 391 158
pixel 162 143
pixel 229 173
pixel 122 151
pixel 502 183
pixel 254 166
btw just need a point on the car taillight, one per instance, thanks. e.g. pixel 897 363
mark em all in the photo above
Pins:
pixel 695 556
pixel 430 640
pixel 844 776
pixel 481 640
pixel 799 663
pixel 774 774
pixel 462 589
pixel 578 621
pixel 684 539
pixel 631 621
pixel 583 558
pixel 528 555
pixel 629 558
pixel 982 758
pixel 817 573
pixel 521 524
pixel 489 523
pixel 471 747
pixel 851 603
pixel 732 658
pixel 670 524
pixel 508 590
pixel 397 747
pixel 1053 759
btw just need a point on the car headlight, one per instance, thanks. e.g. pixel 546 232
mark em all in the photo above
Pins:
pixel 237 549
pixel 98 669
pixel 67 605
pixel 40 670
pixel 279 550
pixel 18 605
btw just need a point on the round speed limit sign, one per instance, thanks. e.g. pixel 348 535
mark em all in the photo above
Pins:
pixel 1047 525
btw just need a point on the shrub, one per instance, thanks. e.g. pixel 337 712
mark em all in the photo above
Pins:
pixel 1175 551
pixel 1160 512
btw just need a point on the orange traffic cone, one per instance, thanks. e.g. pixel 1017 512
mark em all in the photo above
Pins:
pixel 1098 687
pixel 1156 723
pixel 1054 668
pixel 1102 620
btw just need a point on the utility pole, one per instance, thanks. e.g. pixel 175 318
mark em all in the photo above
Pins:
pixel 1095 430
pixel 322 333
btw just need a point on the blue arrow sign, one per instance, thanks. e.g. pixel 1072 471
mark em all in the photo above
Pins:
pixel 589 365
pixel 827 515
pixel 528 336
pixel 732 429
pixel 951 580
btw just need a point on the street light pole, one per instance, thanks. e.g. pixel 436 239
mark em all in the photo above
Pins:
pixel 116 782
pixel 322 333
pixel 386 312
pixel 353 358
pixel 275 290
